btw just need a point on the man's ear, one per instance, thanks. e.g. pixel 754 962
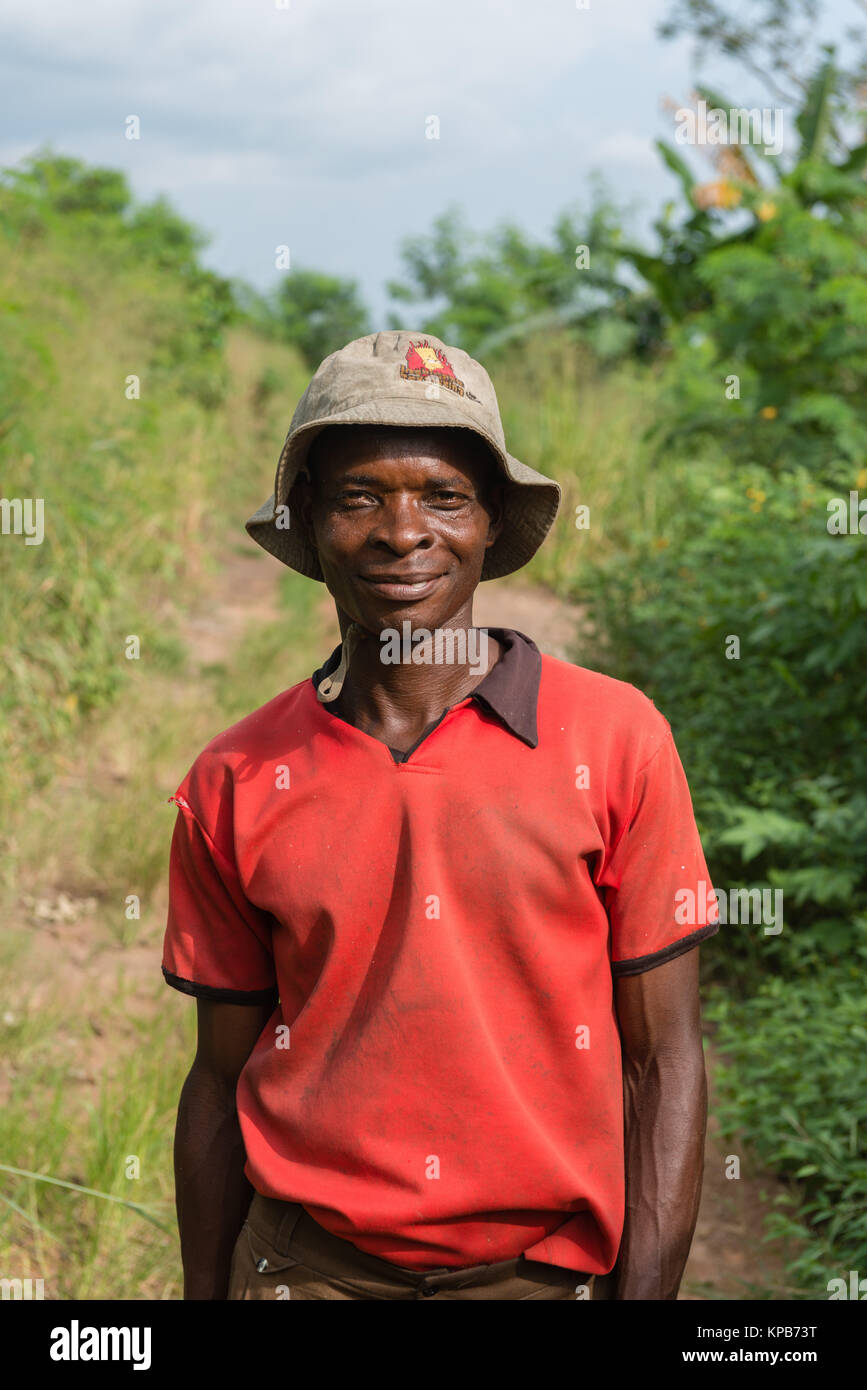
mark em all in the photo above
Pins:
pixel 496 504
pixel 301 502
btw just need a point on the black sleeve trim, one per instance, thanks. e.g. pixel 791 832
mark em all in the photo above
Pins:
pixel 639 964
pixel 222 996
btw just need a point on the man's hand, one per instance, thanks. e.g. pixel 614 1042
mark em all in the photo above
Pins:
pixel 665 1116
pixel 212 1193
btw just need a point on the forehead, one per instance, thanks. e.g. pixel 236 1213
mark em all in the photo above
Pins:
pixel 339 448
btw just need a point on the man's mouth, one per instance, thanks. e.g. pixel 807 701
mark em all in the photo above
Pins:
pixel 403 586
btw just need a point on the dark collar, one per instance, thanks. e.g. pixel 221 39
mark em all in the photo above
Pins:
pixel 510 690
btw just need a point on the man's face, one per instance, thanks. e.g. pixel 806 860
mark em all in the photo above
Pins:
pixel 401 520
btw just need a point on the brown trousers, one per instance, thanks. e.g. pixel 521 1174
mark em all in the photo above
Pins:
pixel 282 1253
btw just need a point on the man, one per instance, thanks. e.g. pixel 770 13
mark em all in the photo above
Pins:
pixel 448 1013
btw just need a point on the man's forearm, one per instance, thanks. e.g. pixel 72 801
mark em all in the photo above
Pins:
pixel 665 1116
pixel 212 1193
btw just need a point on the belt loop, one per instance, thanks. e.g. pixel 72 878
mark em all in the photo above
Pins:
pixel 286 1228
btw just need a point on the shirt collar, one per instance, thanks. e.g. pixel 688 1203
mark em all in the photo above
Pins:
pixel 510 690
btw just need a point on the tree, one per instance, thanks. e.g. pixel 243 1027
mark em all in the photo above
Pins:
pixel 483 291
pixel 60 184
pixel 764 278
pixel 777 40
pixel 317 313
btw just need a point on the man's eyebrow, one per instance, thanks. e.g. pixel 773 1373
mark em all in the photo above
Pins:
pixel 453 480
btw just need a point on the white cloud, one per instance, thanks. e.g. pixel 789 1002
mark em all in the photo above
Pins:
pixel 270 124
pixel 625 147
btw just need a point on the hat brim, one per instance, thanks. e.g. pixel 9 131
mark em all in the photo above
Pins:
pixel 530 505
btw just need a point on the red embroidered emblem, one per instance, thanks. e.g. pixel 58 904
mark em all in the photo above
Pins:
pixel 423 360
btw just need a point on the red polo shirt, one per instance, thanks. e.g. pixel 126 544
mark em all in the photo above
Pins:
pixel 440 1081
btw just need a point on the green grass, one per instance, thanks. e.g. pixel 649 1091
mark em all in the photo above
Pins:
pixel 144 500
pixel 77 1108
pixel 585 428
pixel 139 495
pixel 86 1246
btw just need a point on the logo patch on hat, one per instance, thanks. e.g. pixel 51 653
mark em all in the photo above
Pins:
pixel 423 361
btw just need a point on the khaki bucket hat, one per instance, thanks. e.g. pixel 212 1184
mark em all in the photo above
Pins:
pixel 402 378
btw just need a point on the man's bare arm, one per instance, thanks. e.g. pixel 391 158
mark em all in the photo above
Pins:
pixel 665 1116
pixel 212 1193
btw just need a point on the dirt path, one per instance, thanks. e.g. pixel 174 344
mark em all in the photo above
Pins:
pixel 246 590
pixel 727 1258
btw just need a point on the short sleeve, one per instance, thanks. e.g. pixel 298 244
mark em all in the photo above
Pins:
pixel 217 943
pixel 655 884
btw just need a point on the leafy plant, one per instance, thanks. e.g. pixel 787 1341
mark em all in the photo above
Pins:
pixel 791 1091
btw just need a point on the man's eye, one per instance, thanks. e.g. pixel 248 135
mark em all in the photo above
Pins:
pixel 352 496
pixel 457 496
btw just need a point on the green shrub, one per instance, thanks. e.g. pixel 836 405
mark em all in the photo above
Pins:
pixel 791 1089
pixel 772 740
pixel 138 492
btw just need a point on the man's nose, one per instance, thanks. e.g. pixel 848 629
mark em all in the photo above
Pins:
pixel 401 525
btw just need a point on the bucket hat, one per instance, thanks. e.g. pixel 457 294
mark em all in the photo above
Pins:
pixel 402 378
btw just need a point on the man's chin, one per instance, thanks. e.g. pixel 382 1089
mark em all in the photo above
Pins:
pixel 390 615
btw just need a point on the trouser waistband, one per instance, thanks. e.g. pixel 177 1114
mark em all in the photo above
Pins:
pixel 291 1232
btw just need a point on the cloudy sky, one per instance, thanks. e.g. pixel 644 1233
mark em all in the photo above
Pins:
pixel 304 123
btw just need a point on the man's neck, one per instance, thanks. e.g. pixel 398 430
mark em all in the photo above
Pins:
pixel 396 699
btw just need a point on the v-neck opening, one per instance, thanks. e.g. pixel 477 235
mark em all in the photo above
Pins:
pixel 400 757
pixel 397 758
pixel 509 690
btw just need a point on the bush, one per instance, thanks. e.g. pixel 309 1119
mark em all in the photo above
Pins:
pixel 136 491
pixel 772 740
pixel 792 1090
pixel 84 216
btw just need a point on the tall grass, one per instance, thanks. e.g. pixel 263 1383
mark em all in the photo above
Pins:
pixel 144 501
pixel 586 428
pixel 96 1133
pixel 93 1066
pixel 139 494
